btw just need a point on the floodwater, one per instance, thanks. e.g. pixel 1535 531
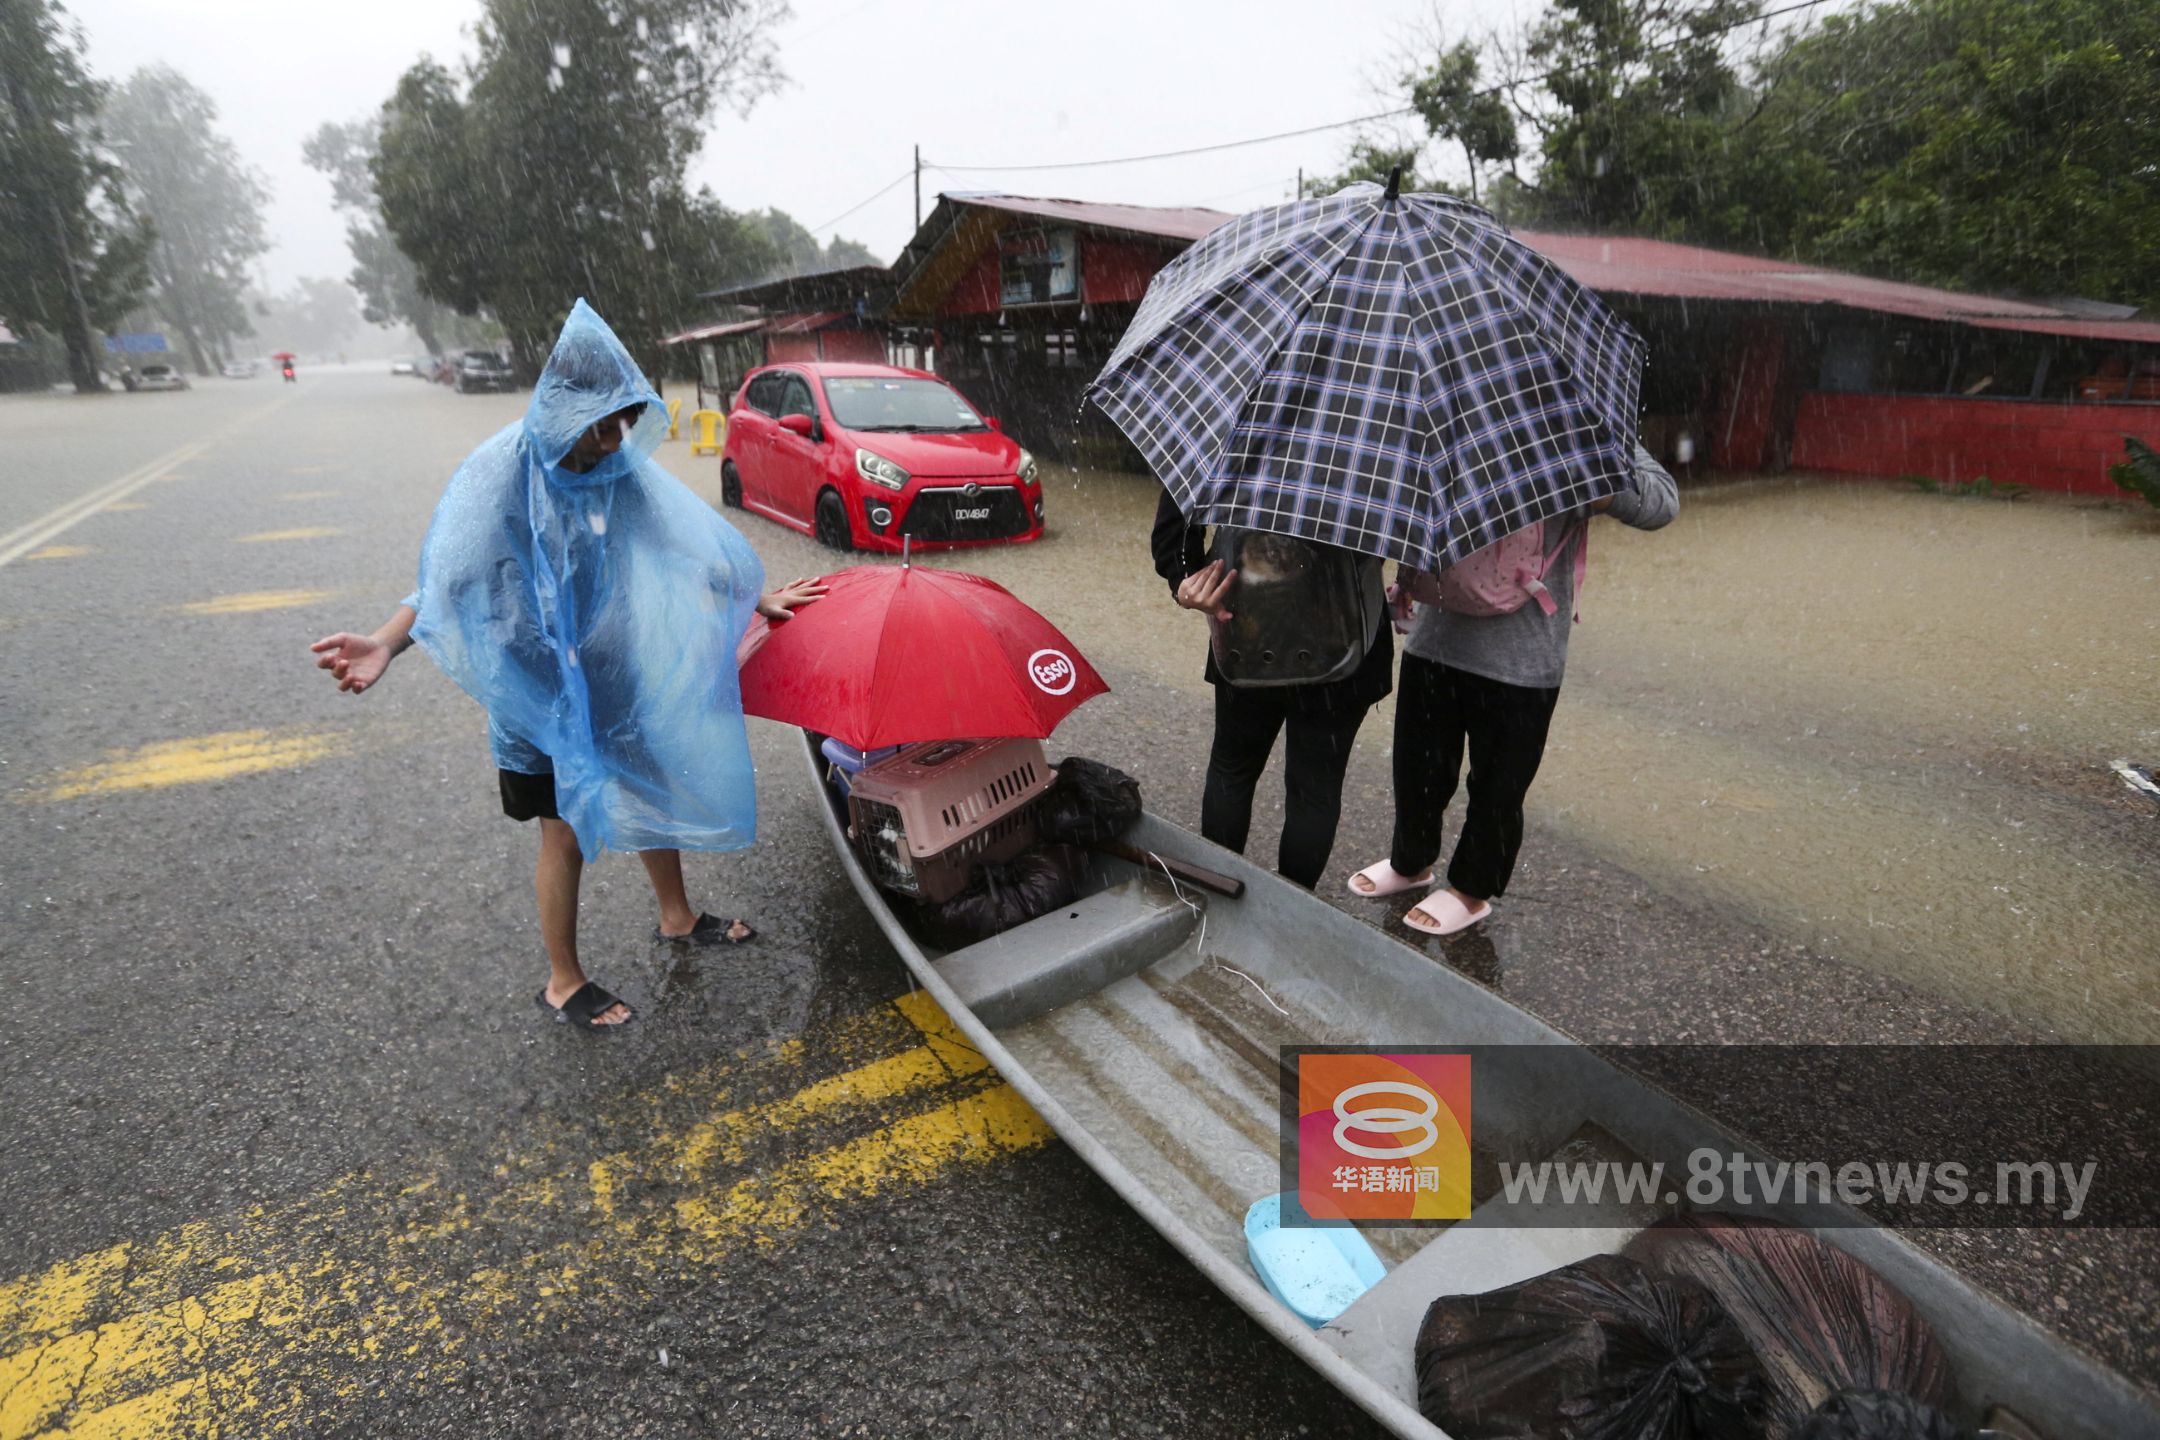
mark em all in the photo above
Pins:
pixel 1874 721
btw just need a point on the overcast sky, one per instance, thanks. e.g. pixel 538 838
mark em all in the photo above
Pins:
pixel 974 82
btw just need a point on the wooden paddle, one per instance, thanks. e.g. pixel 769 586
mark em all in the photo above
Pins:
pixel 1191 874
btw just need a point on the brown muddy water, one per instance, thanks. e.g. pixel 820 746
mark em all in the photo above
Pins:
pixel 1873 721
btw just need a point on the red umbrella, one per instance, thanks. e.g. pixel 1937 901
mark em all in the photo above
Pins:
pixel 283 355
pixel 897 653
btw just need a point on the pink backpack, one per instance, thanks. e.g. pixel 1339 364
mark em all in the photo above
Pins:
pixel 1504 576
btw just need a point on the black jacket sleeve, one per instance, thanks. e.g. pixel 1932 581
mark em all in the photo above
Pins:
pixel 1179 548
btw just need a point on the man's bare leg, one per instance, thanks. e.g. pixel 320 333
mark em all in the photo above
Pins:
pixel 555 885
pixel 676 917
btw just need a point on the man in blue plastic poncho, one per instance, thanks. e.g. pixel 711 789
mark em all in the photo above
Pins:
pixel 595 607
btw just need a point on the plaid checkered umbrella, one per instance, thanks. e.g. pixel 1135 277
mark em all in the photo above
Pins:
pixel 1396 375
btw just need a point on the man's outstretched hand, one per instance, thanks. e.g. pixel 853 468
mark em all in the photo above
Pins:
pixel 357 661
pixel 779 604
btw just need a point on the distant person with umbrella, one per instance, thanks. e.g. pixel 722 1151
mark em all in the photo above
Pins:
pixel 1389 374
pixel 599 611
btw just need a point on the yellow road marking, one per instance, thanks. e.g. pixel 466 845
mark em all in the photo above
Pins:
pixel 60 552
pixel 304 532
pixel 194 761
pixel 263 1322
pixel 308 495
pixel 254 600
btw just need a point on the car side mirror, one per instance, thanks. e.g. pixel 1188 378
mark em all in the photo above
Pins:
pixel 803 425
pixel 992 422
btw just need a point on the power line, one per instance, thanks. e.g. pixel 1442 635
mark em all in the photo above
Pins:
pixel 1395 114
pixel 904 176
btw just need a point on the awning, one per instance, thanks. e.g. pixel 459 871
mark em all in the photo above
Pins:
pixel 714 332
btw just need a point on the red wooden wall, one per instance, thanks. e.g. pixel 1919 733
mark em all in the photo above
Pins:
pixel 2035 443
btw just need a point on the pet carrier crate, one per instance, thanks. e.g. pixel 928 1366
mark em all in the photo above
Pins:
pixel 926 817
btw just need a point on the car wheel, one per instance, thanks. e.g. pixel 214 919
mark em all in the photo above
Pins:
pixel 832 522
pixel 730 485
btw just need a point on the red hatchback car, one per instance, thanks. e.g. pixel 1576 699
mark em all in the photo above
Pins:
pixel 861 455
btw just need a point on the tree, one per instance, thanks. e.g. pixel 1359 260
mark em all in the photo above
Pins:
pixel 552 166
pixel 314 316
pixel 384 275
pixel 206 204
pixel 798 250
pixel 1982 144
pixel 1375 160
pixel 71 251
pixel 1630 102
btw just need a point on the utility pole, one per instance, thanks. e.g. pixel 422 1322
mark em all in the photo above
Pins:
pixel 1300 182
pixel 918 187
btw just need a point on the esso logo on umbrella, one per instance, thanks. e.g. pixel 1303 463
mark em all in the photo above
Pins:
pixel 1053 672
pixel 896 654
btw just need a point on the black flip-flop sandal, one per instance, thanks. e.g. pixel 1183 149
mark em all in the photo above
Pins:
pixel 709 930
pixel 585 1003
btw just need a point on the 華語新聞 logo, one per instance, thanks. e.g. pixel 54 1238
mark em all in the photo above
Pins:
pixel 1383 1136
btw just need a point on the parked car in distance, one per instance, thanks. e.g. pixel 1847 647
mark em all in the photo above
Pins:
pixel 404 367
pixel 863 455
pixel 482 370
pixel 239 370
pixel 160 377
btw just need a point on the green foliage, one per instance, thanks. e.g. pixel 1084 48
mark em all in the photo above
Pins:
pixel 551 166
pixel 384 275
pixel 72 252
pixel 206 204
pixel 2139 471
pixel 1979 144
pixel 1980 487
pixel 1631 113
pixel 798 250
pixel 1990 145
pixel 1374 161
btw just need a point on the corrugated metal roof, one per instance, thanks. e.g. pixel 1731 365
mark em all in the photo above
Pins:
pixel 801 324
pixel 1621 265
pixel 1173 223
pixel 714 332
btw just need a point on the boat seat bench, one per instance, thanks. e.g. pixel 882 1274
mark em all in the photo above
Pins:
pixel 1067 954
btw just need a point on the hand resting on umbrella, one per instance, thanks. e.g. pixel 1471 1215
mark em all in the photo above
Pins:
pixel 775 606
pixel 779 604
pixel 1204 589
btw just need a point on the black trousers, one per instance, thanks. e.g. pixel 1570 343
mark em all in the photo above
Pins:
pixel 1439 710
pixel 1314 761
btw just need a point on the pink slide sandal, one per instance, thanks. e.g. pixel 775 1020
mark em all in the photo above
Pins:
pixel 1441 913
pixel 1382 877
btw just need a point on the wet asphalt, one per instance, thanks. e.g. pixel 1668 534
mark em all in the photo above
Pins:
pixel 235 998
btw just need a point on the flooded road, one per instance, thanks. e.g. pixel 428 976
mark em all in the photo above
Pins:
pixel 1872 721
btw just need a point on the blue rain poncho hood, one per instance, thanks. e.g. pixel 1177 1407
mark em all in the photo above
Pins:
pixel 596 615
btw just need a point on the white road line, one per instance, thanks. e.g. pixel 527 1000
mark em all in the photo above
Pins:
pixel 25 538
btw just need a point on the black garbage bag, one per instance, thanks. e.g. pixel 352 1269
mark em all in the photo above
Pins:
pixel 1597 1350
pixel 1089 802
pixel 1821 1321
pixel 1004 894
pixel 1879 1415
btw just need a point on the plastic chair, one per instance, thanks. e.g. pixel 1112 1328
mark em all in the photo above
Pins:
pixel 711 426
pixel 674 410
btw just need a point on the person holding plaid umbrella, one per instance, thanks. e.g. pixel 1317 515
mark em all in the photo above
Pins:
pixel 1394 375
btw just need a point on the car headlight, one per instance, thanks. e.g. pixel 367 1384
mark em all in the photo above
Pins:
pixel 880 471
pixel 1026 468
